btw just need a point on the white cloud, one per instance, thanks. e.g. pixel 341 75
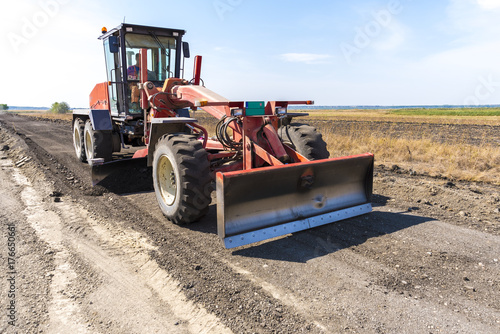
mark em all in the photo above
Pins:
pixel 489 4
pixel 307 58
pixel 392 38
pixel 476 20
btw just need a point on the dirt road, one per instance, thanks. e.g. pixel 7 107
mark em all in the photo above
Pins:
pixel 104 260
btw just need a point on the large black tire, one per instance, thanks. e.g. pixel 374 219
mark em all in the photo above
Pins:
pixel 78 139
pixel 304 139
pixel 181 178
pixel 98 144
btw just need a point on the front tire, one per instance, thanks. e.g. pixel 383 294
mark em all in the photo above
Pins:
pixel 98 144
pixel 304 139
pixel 78 139
pixel 181 178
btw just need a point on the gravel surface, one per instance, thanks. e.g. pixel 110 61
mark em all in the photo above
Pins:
pixel 104 260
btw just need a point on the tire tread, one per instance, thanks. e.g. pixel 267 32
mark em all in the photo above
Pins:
pixel 304 139
pixel 194 171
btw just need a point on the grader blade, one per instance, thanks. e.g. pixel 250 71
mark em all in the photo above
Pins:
pixel 264 203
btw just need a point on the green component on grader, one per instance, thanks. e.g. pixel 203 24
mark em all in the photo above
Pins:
pixel 255 108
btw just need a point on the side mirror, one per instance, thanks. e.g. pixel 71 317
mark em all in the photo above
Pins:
pixel 113 44
pixel 185 49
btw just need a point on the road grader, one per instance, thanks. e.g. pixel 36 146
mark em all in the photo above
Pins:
pixel 272 176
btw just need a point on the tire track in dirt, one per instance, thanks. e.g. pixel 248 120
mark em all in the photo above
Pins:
pixel 128 250
pixel 27 260
pixel 130 280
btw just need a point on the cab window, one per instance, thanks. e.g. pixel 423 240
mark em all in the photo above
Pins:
pixel 160 56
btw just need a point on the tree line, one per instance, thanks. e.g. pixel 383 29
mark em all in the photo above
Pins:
pixel 56 108
pixel 59 108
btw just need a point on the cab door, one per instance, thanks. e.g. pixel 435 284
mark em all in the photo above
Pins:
pixel 112 56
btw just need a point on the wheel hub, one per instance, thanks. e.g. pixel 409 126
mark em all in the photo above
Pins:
pixel 77 139
pixel 88 145
pixel 166 180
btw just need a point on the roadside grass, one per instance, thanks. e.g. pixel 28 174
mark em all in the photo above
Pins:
pixel 44 114
pixel 458 160
pixel 447 112
pixel 479 116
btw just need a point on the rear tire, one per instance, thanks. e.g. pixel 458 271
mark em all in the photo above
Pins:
pixel 78 139
pixel 181 178
pixel 304 139
pixel 98 144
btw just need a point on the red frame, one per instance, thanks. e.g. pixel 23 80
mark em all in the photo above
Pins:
pixel 261 144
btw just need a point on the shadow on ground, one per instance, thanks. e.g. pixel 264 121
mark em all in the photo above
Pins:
pixel 379 200
pixel 306 245
pixel 125 176
pixel 300 246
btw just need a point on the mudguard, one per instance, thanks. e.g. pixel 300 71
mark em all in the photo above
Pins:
pixel 101 120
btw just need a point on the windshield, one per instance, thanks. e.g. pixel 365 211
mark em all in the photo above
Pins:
pixel 160 56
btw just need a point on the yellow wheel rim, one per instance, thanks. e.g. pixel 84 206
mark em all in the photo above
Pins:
pixel 166 181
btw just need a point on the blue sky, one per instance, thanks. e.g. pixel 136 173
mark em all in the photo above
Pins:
pixel 368 52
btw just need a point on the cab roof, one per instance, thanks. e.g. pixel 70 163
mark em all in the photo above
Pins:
pixel 140 29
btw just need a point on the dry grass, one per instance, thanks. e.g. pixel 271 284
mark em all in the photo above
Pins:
pixel 45 114
pixel 457 160
pixel 388 116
